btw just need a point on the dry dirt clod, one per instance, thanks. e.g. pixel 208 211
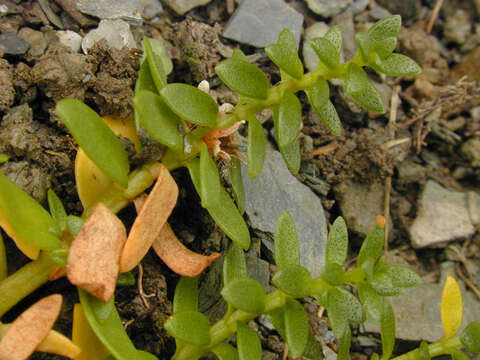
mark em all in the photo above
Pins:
pixel 93 261
pixel 30 328
pixel 150 220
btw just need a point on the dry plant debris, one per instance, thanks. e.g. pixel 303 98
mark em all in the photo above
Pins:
pixel 93 261
pixel 30 328
pixel 150 220
pixel 177 256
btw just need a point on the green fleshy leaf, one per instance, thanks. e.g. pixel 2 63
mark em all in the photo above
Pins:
pixel 190 104
pixel 343 307
pixel 296 328
pixel 375 356
pixel 294 280
pixel 286 248
pixel 244 78
pixel 319 94
pixel 225 352
pixel 372 245
pixel 385 28
pixel 396 65
pixel 284 54
pixel 3 158
pixel 57 210
pixel 337 242
pixel 30 222
pixel 333 274
pixel 470 337
pixel 372 302
pixel 3 260
pixel 209 179
pixel 424 352
pixel 277 318
pixel 335 36
pixel 159 121
pixel 248 343
pixel 326 52
pixel 382 282
pixel 186 295
pixel 60 256
pixel 289 119
pixel 226 214
pixel 361 90
pixel 237 184
pixel 239 55
pixel 257 142
pixel 234 265
pixel 382 48
pixel 145 80
pixel 189 327
pixel 313 350
pixel 97 140
pixel 344 347
pixel 245 294
pixel 74 224
pixel 459 355
pixel 291 155
pixel 388 330
pixel 110 329
pixel 126 279
pixel 403 276
pixel 156 65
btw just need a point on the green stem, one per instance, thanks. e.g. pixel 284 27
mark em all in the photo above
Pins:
pixel 24 281
pixel 435 349
pixel 227 326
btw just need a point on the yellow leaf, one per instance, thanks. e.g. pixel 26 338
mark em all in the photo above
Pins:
pixel 84 337
pixel 452 308
pixel 90 180
pixel 29 250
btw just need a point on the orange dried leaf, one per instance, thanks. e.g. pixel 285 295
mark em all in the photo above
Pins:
pixel 30 328
pixel 178 257
pixel 149 222
pixel 57 273
pixel 93 260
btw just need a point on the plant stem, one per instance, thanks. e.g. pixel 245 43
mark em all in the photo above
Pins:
pixel 436 349
pixel 227 326
pixel 24 281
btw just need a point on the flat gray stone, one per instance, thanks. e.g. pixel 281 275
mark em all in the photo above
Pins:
pixel 258 22
pixel 13 44
pixel 71 39
pixel 473 205
pixel 442 216
pixel 116 33
pixel 417 311
pixel 360 204
pixel 276 190
pixel 151 8
pixel 310 58
pixel 328 8
pixel 182 6
pixel 36 39
pixel 128 10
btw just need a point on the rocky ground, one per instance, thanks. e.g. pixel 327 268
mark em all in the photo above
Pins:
pixel 418 164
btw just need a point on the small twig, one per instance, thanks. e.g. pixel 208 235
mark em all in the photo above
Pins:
pixel 142 294
pixel 433 17
pixel 394 102
pixel 467 281
pixel 324 150
pixel 392 143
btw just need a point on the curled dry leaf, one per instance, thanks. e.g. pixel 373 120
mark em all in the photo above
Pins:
pixel 178 257
pixel 223 143
pixel 93 260
pixel 148 224
pixel 30 328
pixel 54 343
pixel 173 253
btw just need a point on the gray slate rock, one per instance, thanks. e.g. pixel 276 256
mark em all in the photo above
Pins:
pixel 328 8
pixel 258 22
pixel 360 204
pixel 127 10
pixel 417 311
pixel 442 216
pixel 13 44
pixel 182 6
pixel 310 58
pixel 116 32
pixel 276 190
